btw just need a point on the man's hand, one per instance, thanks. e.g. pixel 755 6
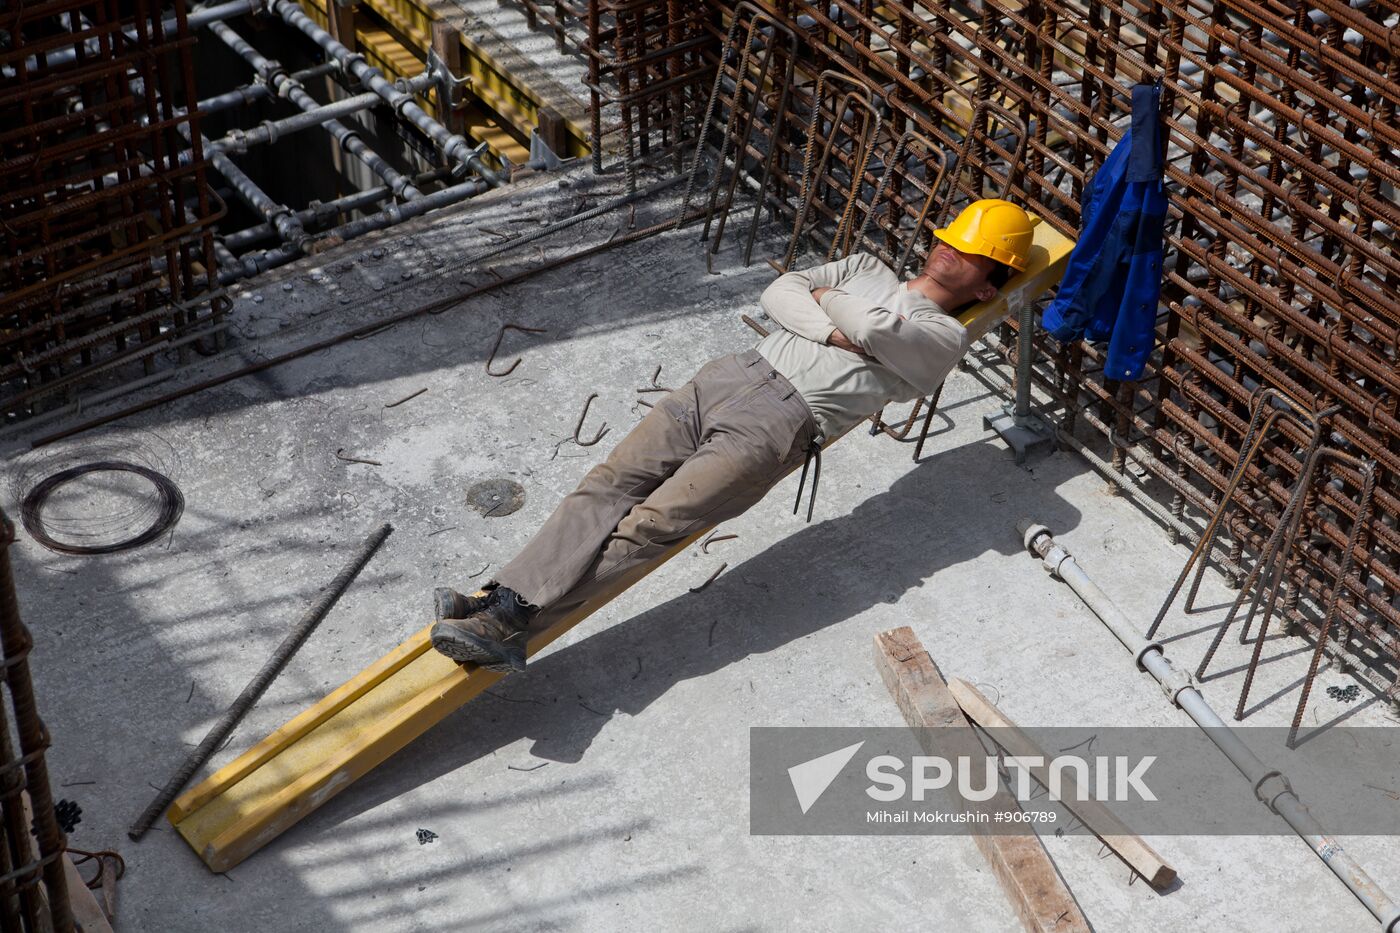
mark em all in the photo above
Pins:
pixel 842 342
pixel 837 339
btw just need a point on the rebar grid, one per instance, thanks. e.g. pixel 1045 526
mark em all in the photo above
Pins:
pixel 649 68
pixel 33 887
pixel 1281 268
pixel 105 232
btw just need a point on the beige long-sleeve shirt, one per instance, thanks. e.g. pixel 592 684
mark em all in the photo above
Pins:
pixel 912 343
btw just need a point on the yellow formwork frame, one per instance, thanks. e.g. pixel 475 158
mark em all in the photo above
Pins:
pixel 249 802
pixel 506 96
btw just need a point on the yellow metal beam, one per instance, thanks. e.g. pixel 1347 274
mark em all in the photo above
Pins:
pixel 266 790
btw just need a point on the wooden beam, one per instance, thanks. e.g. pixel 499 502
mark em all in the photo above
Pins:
pixel 447 45
pixel 1115 834
pixel 1022 866
pixel 86 911
pixel 341 23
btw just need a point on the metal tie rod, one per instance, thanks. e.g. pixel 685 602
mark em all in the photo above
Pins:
pixel 269 671
pixel 1270 785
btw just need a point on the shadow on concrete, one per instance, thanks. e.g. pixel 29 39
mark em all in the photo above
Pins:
pixel 820 576
pixel 638 290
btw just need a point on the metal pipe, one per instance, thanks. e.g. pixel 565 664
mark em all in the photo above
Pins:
pixel 269 131
pixel 259 684
pixel 290 87
pixel 453 146
pixel 280 215
pixel 289 228
pixel 260 90
pixel 388 217
pixel 256 265
pixel 1025 358
pixel 320 213
pixel 196 19
pixel 1270 785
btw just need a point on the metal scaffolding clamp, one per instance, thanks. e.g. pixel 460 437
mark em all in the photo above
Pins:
pixel 1172 682
pixel 447 83
pixel 1279 788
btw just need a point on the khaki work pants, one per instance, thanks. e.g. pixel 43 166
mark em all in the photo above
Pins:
pixel 706 453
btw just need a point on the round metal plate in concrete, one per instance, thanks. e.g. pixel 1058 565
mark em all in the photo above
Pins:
pixel 496 497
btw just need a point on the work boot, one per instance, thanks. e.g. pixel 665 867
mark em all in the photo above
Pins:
pixel 492 637
pixel 450 604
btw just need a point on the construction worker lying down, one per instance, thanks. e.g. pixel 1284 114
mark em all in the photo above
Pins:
pixel 853 338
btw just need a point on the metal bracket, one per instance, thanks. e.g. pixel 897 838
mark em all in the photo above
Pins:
pixel 541 153
pixel 1029 436
pixel 447 83
pixel 1173 683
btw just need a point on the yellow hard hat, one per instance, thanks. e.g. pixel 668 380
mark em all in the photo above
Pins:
pixel 994 228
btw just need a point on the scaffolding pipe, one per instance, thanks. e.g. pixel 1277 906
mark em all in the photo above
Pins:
pixel 1270 785
pixel 259 90
pixel 388 217
pixel 281 216
pixel 240 141
pixel 289 86
pixel 1025 358
pixel 320 213
pixel 263 231
pixel 289 228
pixel 453 146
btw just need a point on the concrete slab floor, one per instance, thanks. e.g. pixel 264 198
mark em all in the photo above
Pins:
pixel 633 812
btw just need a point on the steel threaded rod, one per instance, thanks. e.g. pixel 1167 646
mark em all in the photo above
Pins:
pixel 269 671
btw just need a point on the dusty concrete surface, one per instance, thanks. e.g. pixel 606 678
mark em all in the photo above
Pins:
pixel 606 788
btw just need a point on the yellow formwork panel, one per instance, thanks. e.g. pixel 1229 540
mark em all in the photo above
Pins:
pixel 505 92
pixel 265 791
pixel 394 59
pixel 268 789
pixel 1049 253
pixel 414 23
pixel 386 53
pixel 492 82
pixel 383 50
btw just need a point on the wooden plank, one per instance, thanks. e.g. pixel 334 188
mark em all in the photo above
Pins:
pixel 1022 866
pixel 87 913
pixel 342 23
pixel 447 44
pixel 1115 834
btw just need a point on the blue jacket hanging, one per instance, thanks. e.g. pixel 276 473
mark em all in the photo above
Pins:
pixel 1113 283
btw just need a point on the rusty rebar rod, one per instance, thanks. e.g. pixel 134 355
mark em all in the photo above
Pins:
pixel 250 694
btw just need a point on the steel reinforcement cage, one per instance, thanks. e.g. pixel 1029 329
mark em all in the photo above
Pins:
pixel 106 214
pixel 1281 269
